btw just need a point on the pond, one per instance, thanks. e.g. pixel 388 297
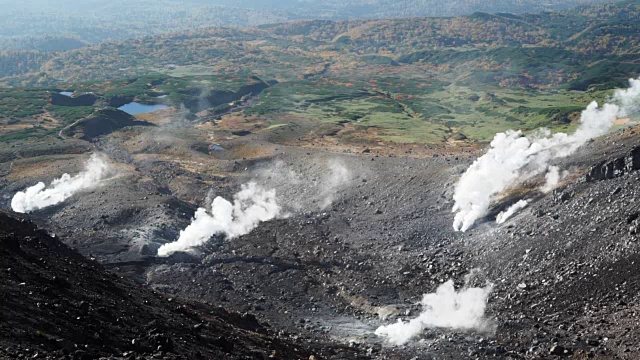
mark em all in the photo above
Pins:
pixel 134 108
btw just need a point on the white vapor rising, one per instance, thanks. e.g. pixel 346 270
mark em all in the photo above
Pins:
pixel 39 197
pixel 552 178
pixel 628 98
pixel 302 188
pixel 514 158
pixel 251 206
pixel 338 176
pixel 446 308
pixel 505 215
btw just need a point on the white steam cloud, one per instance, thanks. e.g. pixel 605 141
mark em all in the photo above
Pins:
pixel 552 178
pixel 39 197
pixel 301 188
pixel 338 176
pixel 251 206
pixel 628 98
pixel 446 308
pixel 514 158
pixel 505 215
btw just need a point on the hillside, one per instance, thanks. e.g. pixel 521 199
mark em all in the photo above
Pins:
pixel 546 49
pixel 365 82
pixel 55 302
pixel 63 25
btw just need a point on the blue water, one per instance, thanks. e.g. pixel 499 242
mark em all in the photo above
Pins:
pixel 67 93
pixel 135 108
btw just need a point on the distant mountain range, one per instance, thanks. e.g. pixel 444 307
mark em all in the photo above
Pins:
pixel 67 24
pixel 340 9
pixel 577 49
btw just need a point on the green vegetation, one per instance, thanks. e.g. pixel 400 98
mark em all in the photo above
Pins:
pixel 594 46
pixel 65 25
pixel 416 80
pixel 28 133
pixel 69 114
pixel 420 110
pixel 22 62
pixel 408 107
pixel 21 103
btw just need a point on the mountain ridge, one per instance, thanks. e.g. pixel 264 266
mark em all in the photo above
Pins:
pixel 41 25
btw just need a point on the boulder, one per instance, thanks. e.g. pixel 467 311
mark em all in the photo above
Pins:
pixel 615 168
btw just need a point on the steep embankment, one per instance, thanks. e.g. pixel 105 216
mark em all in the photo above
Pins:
pixel 55 302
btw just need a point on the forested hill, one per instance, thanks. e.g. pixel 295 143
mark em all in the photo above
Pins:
pixel 67 24
pixel 422 79
pixel 596 45
pixel 341 9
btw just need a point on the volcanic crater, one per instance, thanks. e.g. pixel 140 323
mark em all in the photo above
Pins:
pixel 343 257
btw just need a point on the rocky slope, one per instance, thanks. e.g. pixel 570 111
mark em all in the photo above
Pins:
pixel 564 269
pixel 54 303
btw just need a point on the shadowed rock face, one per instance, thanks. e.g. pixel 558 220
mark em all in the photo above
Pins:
pixel 105 122
pixel 610 169
pixel 81 100
pixel 215 98
pixel 55 302
pixel 118 101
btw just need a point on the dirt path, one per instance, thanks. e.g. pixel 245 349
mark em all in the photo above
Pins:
pixel 575 36
pixel 61 132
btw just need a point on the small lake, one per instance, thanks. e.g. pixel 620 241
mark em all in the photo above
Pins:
pixel 135 108
pixel 67 93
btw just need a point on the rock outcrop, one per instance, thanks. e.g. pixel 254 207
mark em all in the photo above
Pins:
pixel 615 168
pixel 104 122
pixel 80 100
pixel 201 101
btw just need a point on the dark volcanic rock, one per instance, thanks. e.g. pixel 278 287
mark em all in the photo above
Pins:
pixel 632 160
pixel 54 302
pixel 204 100
pixel 241 133
pixel 118 101
pixel 611 169
pixel 105 122
pixel 80 100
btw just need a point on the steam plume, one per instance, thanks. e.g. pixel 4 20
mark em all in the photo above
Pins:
pixel 505 215
pixel 628 98
pixel 302 190
pixel 552 178
pixel 39 197
pixel 514 158
pixel 250 206
pixel 338 176
pixel 445 308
